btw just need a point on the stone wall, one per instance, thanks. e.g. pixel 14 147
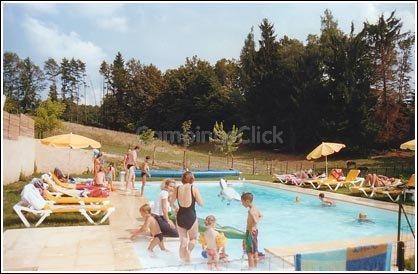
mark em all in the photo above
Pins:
pixel 18 146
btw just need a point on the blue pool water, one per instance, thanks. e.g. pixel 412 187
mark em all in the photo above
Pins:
pixel 286 223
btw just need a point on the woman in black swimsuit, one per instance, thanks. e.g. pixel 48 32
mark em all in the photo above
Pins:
pixel 187 224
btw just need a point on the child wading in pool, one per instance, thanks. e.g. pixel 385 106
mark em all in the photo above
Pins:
pixel 250 243
pixel 151 224
pixel 213 242
pixel 144 173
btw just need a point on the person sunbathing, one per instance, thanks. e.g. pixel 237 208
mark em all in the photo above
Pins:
pixel 375 180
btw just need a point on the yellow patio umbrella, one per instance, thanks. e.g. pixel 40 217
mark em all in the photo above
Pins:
pixel 409 145
pixel 70 141
pixel 325 149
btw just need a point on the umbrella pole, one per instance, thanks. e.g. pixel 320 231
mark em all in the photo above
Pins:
pixel 326 166
pixel 69 163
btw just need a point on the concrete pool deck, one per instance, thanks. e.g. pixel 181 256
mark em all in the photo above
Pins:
pixel 77 248
pixel 108 247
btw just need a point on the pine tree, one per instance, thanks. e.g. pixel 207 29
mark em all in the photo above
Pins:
pixel 31 84
pixel 52 71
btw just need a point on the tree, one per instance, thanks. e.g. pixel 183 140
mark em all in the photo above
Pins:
pixel 404 68
pixel 146 136
pixel 247 63
pixel 264 87
pixel 186 135
pixel 47 117
pixel 31 84
pixel 65 71
pixel 117 104
pixel 11 81
pixel 383 39
pixel 52 71
pixel 226 142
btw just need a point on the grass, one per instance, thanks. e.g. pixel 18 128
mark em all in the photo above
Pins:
pixel 11 196
pixel 169 156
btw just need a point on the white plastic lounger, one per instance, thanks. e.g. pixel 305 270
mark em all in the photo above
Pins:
pixel 19 208
pixel 66 191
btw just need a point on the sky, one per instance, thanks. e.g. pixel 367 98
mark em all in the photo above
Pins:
pixel 164 34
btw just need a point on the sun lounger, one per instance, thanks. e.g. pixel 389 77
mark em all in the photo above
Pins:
pixel 288 179
pixel 49 209
pixel 57 198
pixel 366 190
pixel 48 178
pixel 314 183
pixel 60 183
pixel 393 192
pixel 352 179
pixel 33 202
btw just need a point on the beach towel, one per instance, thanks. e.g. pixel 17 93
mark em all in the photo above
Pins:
pixel 32 198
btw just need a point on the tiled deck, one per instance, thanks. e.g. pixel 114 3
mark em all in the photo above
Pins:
pixel 103 247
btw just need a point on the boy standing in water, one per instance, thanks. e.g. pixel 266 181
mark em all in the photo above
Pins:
pixel 151 224
pixel 250 243
pixel 144 173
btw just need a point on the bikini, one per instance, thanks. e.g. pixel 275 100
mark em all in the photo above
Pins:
pixel 186 216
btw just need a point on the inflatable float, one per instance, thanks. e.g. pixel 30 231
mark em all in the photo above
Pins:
pixel 228 193
pixel 166 173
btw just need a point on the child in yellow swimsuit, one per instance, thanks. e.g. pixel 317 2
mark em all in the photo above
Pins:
pixel 213 242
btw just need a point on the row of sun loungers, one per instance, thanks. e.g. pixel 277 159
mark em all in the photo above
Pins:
pixel 60 199
pixel 353 182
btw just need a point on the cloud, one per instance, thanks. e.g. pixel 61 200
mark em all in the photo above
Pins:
pixel 48 41
pixel 119 24
pixel 93 10
pixel 39 8
pixel 369 12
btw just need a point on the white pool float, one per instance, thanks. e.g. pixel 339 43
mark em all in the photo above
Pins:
pixel 228 193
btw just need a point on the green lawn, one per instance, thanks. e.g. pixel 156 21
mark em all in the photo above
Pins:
pixel 168 156
pixel 11 195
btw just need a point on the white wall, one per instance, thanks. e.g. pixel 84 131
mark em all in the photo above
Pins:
pixel 18 156
pixel 68 160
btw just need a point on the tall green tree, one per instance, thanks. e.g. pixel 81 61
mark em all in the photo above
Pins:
pixel 52 71
pixel 31 84
pixel 11 76
pixel 116 103
pixel 383 38
pixel 247 63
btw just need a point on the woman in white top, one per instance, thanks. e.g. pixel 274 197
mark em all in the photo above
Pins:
pixel 161 208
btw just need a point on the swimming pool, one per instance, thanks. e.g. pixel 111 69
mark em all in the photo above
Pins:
pixel 286 223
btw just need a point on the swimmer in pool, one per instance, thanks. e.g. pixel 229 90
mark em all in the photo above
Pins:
pixel 325 201
pixel 362 218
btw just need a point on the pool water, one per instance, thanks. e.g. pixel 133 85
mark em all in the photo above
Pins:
pixel 286 223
